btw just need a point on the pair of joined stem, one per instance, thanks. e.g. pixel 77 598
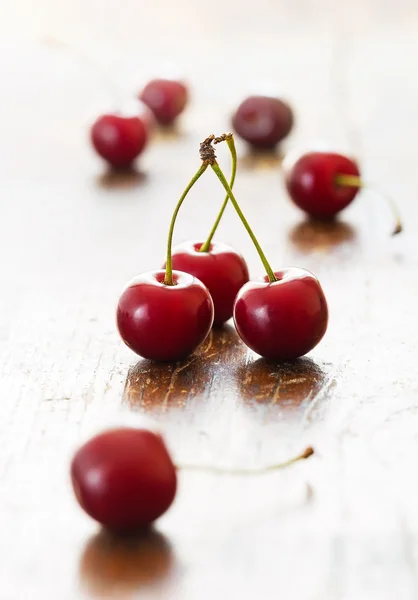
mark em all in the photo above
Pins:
pixel 208 157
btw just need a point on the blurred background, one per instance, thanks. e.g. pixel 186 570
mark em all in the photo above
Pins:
pixel 64 63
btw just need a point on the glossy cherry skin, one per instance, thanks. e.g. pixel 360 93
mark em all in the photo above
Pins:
pixel 164 322
pixel 282 320
pixel 166 98
pixel 119 140
pixel 311 183
pixel 263 121
pixel 223 271
pixel 124 478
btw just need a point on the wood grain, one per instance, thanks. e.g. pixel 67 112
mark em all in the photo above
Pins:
pixel 341 526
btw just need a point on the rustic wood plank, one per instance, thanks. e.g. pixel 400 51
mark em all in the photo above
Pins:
pixel 343 525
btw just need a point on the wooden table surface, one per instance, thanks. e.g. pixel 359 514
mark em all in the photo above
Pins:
pixel 341 526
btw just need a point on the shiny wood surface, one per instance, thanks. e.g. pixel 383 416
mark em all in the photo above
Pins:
pixel 341 526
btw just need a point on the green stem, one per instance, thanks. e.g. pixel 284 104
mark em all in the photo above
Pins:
pixel 231 145
pixel 349 181
pixel 168 279
pixel 221 471
pixel 357 182
pixel 221 177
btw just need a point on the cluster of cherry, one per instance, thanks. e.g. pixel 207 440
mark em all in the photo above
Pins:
pixel 166 314
pixel 125 478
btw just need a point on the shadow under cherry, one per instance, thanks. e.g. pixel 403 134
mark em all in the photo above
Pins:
pixel 112 565
pixel 284 388
pixel 154 387
pixel 168 133
pixel 123 178
pixel 321 236
pixel 257 158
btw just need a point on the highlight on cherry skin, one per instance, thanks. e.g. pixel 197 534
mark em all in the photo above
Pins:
pixel 167 99
pixel 164 322
pixel 263 121
pixel 284 319
pixel 119 139
pixel 315 182
pixel 222 270
pixel 124 478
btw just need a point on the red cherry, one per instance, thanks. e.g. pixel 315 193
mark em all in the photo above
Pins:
pixel 284 319
pixel 124 478
pixel 164 322
pixel 119 140
pixel 166 98
pixel 223 271
pixel 263 121
pixel 311 181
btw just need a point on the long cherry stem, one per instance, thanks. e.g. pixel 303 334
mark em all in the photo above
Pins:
pixel 357 182
pixel 218 171
pixel 226 471
pixel 168 279
pixel 231 145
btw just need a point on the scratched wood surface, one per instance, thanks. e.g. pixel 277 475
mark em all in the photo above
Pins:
pixel 343 525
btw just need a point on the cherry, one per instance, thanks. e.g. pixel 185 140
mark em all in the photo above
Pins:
pixel 315 184
pixel 124 478
pixel 323 183
pixel 284 319
pixel 166 98
pixel 284 316
pixel 164 322
pixel 222 269
pixel 119 139
pixel 165 315
pixel 263 121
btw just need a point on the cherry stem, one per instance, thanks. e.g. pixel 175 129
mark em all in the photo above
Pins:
pixel 168 279
pixel 231 145
pixel 225 471
pixel 218 171
pixel 357 182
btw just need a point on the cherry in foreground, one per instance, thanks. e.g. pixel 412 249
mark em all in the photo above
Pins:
pixel 166 98
pixel 283 319
pixel 164 322
pixel 165 315
pixel 119 140
pixel 124 478
pixel 323 184
pixel 263 121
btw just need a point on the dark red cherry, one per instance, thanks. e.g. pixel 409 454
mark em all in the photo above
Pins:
pixel 284 319
pixel 311 181
pixel 263 121
pixel 166 98
pixel 223 271
pixel 164 322
pixel 124 478
pixel 119 140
